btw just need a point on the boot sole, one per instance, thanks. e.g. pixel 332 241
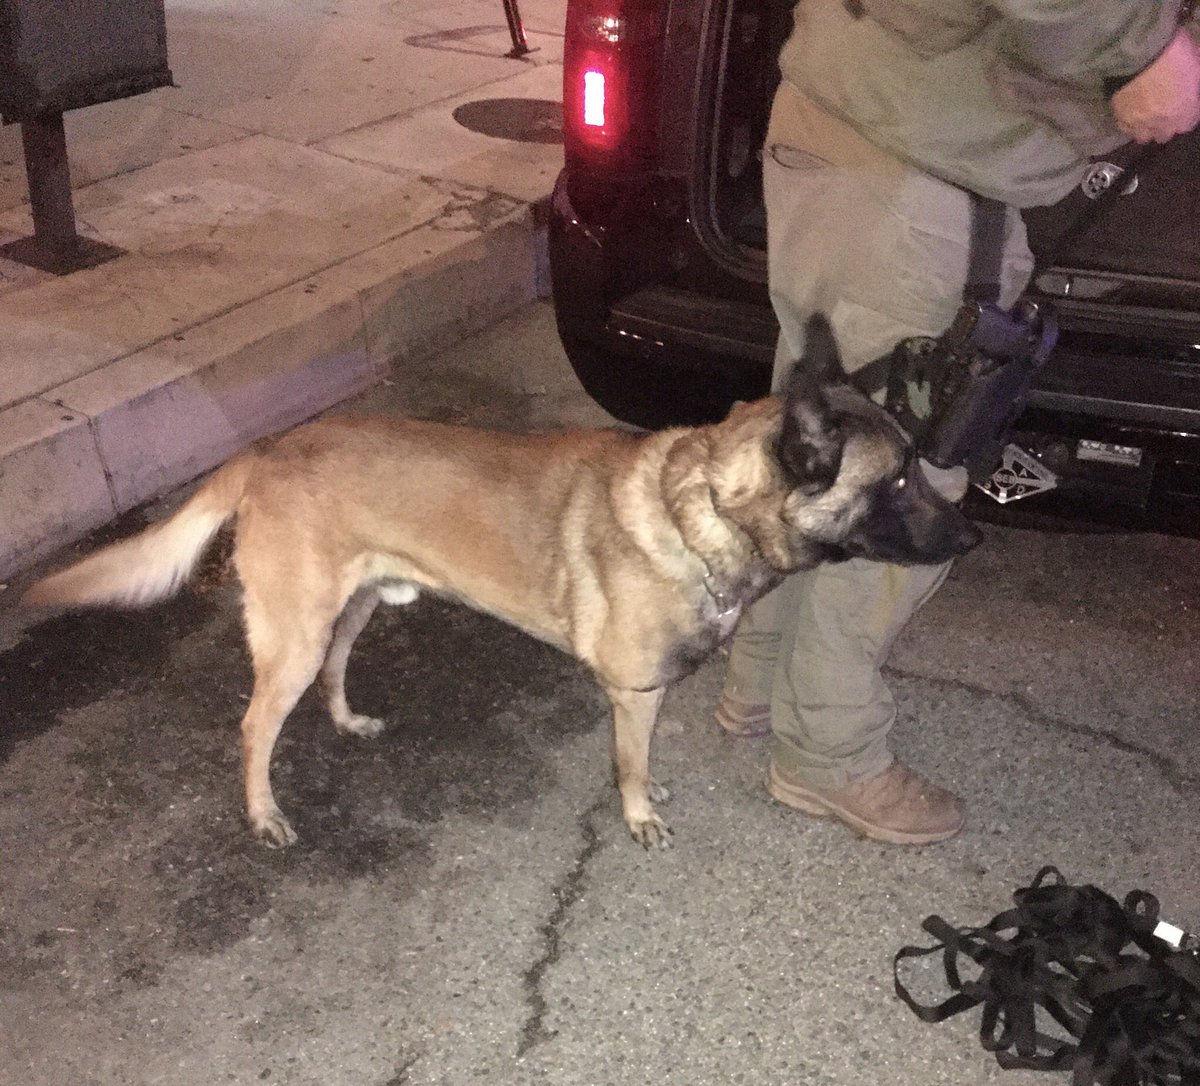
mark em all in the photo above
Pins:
pixel 802 799
pixel 754 727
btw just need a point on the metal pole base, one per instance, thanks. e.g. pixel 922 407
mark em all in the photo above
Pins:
pixel 516 30
pixel 55 246
pixel 85 253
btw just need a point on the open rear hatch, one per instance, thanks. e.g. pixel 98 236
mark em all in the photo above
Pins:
pixel 1123 274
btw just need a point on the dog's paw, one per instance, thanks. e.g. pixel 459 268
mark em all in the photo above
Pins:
pixel 650 832
pixel 368 727
pixel 273 830
pixel 659 793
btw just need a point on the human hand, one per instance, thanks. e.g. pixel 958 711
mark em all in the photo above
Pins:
pixel 1163 100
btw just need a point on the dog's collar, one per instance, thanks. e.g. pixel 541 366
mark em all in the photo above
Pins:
pixel 726 604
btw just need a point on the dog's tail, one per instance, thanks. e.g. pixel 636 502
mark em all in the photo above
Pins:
pixel 154 564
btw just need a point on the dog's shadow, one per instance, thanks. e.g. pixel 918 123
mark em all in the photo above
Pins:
pixel 138 765
pixel 471 709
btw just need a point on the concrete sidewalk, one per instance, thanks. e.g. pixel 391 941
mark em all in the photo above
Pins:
pixel 300 214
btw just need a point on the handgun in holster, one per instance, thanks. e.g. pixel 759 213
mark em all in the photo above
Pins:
pixel 960 393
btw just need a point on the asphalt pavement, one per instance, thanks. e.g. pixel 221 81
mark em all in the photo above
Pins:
pixel 465 905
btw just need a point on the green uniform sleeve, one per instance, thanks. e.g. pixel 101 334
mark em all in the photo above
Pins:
pixel 1084 41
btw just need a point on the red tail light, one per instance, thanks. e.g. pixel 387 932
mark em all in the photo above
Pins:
pixel 594 93
pixel 609 75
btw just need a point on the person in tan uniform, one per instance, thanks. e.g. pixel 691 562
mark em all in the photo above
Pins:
pixel 889 116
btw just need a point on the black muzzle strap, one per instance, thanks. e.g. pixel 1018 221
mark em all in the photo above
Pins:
pixel 1071 980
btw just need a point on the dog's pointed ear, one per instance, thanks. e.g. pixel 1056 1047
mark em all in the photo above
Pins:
pixel 822 357
pixel 810 440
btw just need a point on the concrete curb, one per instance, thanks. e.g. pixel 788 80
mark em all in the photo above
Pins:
pixel 94 447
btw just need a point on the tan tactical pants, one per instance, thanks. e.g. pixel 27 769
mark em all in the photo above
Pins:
pixel 882 249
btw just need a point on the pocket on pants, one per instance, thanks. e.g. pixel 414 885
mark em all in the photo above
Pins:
pixel 793 158
pixel 929 270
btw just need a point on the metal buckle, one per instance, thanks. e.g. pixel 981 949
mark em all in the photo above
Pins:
pixel 1018 476
pixel 1101 176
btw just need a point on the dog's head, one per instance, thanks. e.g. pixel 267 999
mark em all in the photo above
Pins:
pixel 836 476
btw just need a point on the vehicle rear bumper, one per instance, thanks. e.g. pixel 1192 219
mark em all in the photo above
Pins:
pixel 657 355
pixel 653 356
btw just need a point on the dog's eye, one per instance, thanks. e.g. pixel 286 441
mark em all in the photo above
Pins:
pixel 900 483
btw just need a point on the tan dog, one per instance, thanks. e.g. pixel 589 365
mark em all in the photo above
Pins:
pixel 636 553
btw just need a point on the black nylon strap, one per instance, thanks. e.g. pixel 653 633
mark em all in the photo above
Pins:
pixel 985 259
pixel 1122 1007
pixel 873 377
pixel 986 253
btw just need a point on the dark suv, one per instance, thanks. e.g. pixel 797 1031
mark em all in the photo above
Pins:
pixel 657 240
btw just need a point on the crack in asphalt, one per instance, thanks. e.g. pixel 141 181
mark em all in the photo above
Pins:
pixel 566 894
pixel 1180 782
pixel 401 1075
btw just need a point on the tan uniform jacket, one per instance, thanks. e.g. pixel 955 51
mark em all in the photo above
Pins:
pixel 1008 99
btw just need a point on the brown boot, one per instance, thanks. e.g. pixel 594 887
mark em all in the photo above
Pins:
pixel 896 806
pixel 743 721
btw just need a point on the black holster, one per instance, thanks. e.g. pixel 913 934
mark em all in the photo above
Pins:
pixel 959 394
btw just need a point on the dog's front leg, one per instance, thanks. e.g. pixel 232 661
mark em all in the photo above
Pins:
pixel 634 714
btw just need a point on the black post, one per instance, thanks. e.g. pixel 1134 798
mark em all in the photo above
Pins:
pixel 55 245
pixel 516 29
pixel 49 175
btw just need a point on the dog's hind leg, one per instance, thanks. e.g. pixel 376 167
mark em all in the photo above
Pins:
pixel 286 647
pixel 333 672
pixel 634 714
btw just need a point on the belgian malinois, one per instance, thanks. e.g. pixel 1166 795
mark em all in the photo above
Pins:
pixel 634 552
